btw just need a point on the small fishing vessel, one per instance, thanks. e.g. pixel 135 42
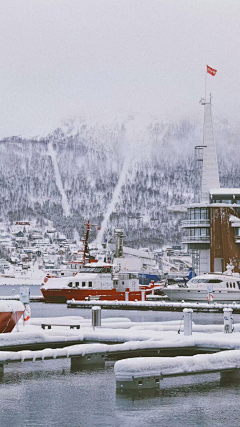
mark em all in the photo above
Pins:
pixel 99 280
pixel 10 313
pixel 216 287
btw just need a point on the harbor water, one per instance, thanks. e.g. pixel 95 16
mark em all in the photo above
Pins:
pixel 48 394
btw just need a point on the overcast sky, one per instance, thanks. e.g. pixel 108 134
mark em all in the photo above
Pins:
pixel 63 58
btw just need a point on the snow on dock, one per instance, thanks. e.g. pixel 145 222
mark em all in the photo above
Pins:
pixel 138 373
pixel 155 305
pixel 16 297
pixel 116 338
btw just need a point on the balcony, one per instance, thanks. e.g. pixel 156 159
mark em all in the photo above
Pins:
pixel 196 239
pixel 190 223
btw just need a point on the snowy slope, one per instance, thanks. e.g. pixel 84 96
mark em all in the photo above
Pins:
pixel 121 174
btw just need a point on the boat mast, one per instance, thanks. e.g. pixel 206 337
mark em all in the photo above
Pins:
pixel 85 241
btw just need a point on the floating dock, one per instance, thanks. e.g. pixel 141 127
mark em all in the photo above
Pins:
pixel 155 305
pixel 33 298
pixel 147 373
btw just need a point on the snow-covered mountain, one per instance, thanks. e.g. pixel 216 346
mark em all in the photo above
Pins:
pixel 124 174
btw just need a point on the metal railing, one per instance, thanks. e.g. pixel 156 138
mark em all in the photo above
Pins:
pixel 196 239
pixel 196 223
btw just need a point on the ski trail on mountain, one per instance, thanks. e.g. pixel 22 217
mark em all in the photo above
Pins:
pixel 65 204
pixel 133 140
pixel 115 198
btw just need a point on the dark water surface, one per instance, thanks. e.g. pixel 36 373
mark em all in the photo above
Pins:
pixel 48 394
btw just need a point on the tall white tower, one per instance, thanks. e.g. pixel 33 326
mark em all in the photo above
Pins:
pixel 210 175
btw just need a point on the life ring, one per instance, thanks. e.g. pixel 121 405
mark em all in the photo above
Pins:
pixel 211 295
pixel 27 313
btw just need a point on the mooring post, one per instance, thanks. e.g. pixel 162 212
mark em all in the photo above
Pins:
pixel 187 313
pixel 96 316
pixel 142 295
pixel 126 296
pixel 228 320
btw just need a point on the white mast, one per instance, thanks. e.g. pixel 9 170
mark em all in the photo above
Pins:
pixel 210 175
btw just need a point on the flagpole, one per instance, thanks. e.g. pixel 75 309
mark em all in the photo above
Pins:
pixel 206 84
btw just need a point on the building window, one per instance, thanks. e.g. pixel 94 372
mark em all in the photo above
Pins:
pixel 204 213
pixel 198 213
pixel 227 201
pixel 191 213
pixel 205 232
pixel 90 284
pixel 83 284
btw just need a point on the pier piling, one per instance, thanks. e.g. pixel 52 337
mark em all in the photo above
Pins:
pixel 78 362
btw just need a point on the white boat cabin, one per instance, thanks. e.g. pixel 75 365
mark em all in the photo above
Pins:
pixel 97 276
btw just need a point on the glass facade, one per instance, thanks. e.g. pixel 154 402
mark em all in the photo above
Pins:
pixel 226 201
pixel 198 213
pixel 198 232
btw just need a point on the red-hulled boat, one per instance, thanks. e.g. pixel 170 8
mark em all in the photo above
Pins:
pixel 96 280
pixel 10 313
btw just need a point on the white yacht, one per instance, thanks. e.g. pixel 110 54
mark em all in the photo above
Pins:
pixel 215 287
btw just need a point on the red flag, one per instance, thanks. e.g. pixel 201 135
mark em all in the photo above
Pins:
pixel 211 71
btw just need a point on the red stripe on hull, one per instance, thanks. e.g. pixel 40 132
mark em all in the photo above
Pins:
pixel 62 295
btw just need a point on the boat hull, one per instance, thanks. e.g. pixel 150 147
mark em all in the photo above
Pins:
pixel 8 320
pixel 222 295
pixel 63 295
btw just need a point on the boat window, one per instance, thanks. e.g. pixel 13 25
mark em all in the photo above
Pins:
pixel 227 284
pixel 70 284
pixel 83 284
pixel 77 284
pixel 238 283
pixel 234 284
pixel 214 281
pixel 122 283
pixel 230 285
pixel 84 270
pixel 89 284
